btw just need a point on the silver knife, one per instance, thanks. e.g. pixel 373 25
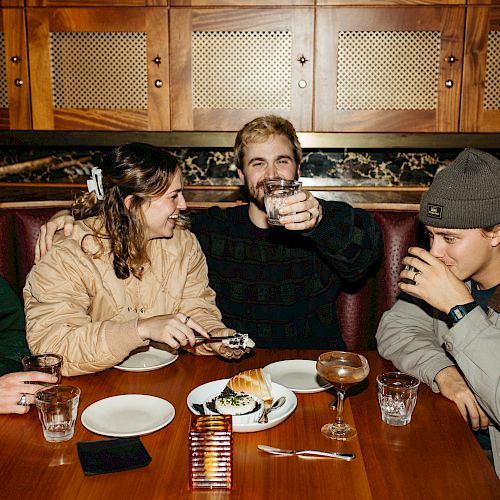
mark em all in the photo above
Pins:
pixel 306 453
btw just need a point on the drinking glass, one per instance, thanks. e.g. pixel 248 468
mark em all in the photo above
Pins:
pixel 276 192
pixel 342 370
pixel 57 407
pixel 47 363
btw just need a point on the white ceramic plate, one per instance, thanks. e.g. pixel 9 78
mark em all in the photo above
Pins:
pixel 208 391
pixel 128 415
pixel 150 359
pixel 299 375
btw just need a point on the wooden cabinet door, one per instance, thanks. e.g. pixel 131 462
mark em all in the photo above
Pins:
pixel 483 2
pixel 230 65
pixel 99 69
pixel 388 69
pixel 406 3
pixel 96 3
pixel 14 81
pixel 481 78
pixel 238 3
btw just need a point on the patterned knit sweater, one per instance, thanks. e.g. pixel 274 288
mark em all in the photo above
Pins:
pixel 280 286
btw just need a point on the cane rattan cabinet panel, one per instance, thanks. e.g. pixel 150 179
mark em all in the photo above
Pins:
pixel 231 65
pixel 481 81
pixel 388 69
pixel 99 69
pixel 14 75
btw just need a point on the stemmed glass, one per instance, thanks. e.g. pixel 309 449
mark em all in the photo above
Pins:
pixel 341 369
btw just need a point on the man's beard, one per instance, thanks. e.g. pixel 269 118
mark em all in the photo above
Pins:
pixel 256 195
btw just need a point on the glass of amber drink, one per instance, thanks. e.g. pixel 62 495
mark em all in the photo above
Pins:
pixel 342 370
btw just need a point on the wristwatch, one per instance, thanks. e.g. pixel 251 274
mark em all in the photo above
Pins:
pixel 458 312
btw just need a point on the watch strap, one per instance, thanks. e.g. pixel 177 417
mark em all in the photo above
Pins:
pixel 458 312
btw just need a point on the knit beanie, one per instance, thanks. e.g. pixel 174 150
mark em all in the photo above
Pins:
pixel 465 194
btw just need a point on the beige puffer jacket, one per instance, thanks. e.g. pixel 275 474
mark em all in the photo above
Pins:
pixel 77 307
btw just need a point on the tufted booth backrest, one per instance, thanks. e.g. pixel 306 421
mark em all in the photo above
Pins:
pixel 359 308
pixel 17 242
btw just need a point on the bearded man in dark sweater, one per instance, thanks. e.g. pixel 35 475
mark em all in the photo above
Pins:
pixel 277 284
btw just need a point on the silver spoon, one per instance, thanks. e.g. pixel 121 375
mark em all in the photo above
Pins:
pixel 277 404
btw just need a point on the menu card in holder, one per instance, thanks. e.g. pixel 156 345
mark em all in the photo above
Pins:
pixel 210 451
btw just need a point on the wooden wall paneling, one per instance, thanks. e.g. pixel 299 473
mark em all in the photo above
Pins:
pixel 96 3
pixel 158 46
pixel 40 83
pixel 42 22
pixel 408 3
pixel 298 21
pixel 180 69
pixel 483 2
pixel 331 21
pixel 474 117
pixel 240 3
pixel 18 114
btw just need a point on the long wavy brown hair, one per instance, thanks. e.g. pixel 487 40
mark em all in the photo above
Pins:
pixel 136 169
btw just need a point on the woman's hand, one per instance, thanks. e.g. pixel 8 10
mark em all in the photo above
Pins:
pixel 209 349
pixel 175 330
pixel 12 388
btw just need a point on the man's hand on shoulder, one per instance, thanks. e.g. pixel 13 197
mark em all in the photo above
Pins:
pixel 60 220
pixel 453 386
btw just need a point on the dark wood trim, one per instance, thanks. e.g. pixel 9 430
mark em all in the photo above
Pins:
pixel 226 139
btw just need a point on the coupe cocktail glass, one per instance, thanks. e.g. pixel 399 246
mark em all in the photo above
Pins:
pixel 342 370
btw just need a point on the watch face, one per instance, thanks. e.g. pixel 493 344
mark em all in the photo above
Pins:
pixel 458 312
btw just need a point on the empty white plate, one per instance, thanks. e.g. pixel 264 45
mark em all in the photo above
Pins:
pixel 147 360
pixel 299 375
pixel 128 415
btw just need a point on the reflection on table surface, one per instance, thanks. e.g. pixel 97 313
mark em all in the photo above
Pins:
pixel 435 456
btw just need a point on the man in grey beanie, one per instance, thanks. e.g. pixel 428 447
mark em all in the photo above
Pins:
pixel 445 326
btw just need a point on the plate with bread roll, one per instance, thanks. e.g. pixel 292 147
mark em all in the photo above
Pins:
pixel 245 396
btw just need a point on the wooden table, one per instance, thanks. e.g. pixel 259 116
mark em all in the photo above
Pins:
pixel 435 457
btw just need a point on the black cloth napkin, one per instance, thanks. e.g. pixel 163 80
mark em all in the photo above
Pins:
pixel 112 455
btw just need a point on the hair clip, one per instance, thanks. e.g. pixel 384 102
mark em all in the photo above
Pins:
pixel 95 184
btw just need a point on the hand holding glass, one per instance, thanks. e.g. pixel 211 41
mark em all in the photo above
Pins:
pixel 47 363
pixel 276 192
pixel 342 370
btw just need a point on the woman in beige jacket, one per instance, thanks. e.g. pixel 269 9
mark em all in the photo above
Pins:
pixel 129 274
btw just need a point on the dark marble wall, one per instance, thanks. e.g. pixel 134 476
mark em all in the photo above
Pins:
pixel 325 167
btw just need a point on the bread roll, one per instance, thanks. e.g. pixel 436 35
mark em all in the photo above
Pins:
pixel 254 382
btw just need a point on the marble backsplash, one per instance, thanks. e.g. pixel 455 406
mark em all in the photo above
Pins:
pixel 214 167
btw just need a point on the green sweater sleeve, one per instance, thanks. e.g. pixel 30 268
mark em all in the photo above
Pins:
pixel 13 344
